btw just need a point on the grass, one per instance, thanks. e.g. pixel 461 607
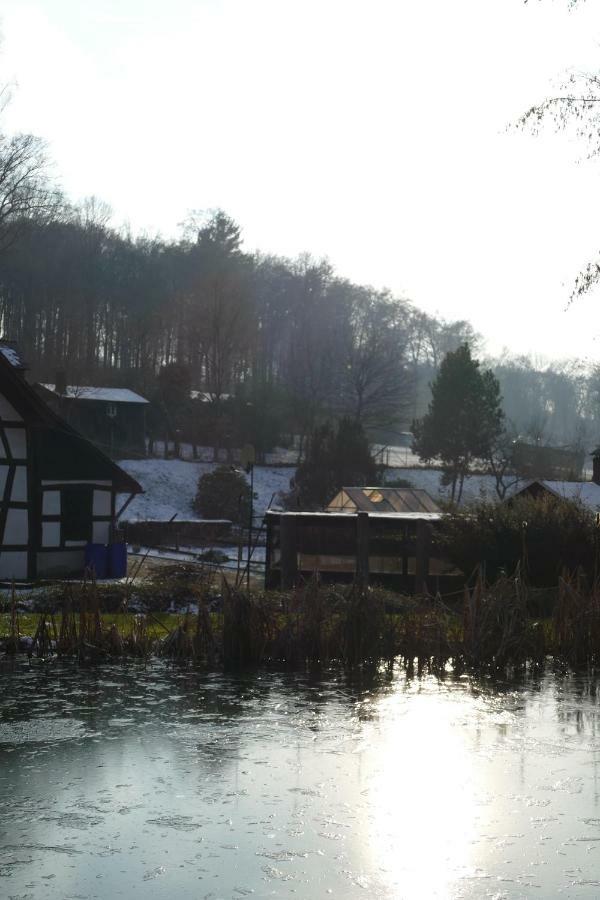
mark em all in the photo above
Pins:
pixel 28 623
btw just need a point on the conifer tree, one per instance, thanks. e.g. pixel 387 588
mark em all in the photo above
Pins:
pixel 464 418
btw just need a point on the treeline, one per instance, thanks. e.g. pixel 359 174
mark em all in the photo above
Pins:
pixel 279 346
pixel 285 335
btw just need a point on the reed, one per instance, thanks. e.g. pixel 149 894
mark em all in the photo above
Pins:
pixel 319 624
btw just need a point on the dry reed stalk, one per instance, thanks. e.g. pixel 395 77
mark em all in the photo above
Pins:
pixel 67 638
pixel 576 625
pixel 12 644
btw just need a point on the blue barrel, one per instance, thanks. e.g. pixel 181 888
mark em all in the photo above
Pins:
pixel 117 560
pixel 96 559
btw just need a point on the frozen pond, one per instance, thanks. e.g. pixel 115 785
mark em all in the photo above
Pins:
pixel 160 782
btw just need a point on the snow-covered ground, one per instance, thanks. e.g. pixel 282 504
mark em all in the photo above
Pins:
pixel 170 487
pixel 476 487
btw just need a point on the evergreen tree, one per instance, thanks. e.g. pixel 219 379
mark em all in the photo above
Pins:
pixel 464 418
pixel 335 458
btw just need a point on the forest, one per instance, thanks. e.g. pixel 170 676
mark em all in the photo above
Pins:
pixel 277 346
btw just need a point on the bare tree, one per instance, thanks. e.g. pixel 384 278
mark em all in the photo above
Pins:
pixel 26 191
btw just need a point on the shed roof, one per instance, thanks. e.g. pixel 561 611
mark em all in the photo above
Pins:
pixel 105 394
pixel 392 500
pixel 586 492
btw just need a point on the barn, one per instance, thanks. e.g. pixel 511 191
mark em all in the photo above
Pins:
pixel 59 491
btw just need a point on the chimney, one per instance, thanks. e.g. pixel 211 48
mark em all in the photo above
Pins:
pixel 596 465
pixel 60 383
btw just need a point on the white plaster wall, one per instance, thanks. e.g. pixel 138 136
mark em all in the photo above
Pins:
pixel 102 503
pixel 101 532
pixel 50 534
pixel 17 529
pixel 51 503
pixel 17 441
pixel 19 489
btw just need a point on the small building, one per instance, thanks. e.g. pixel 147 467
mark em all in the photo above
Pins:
pixel 382 500
pixel 58 491
pixel 585 492
pixel 113 418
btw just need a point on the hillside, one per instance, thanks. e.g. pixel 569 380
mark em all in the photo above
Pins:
pixel 170 486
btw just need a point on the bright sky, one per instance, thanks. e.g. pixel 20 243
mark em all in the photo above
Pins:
pixel 369 131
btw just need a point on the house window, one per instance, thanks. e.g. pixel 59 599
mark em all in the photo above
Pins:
pixel 77 506
pixel 111 410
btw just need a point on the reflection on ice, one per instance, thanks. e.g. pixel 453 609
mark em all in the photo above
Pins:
pixel 162 781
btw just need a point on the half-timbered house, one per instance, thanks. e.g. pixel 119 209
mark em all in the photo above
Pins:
pixel 58 492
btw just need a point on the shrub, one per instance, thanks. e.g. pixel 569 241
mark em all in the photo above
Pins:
pixel 223 493
pixel 544 535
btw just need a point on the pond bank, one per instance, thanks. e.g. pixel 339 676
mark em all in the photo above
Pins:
pixel 491 627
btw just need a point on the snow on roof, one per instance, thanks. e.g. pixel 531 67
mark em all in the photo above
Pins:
pixel 587 492
pixel 208 396
pixel 10 353
pixel 408 516
pixel 109 395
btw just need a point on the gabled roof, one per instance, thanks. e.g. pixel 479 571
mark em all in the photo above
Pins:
pixel 105 394
pixel 586 492
pixel 382 500
pixel 55 442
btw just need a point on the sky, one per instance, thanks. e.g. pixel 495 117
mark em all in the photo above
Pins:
pixel 372 132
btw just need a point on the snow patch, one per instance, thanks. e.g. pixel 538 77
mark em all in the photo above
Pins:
pixel 170 487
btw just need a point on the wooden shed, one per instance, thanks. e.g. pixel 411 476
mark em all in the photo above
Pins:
pixel 390 549
pixel 58 491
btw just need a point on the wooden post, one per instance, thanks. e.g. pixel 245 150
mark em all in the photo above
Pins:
pixel 422 557
pixel 362 549
pixel 289 552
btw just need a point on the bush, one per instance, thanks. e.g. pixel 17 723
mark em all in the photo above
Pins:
pixel 223 493
pixel 544 535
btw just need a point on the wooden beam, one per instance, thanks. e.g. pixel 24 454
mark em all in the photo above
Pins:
pixel 362 549
pixel 289 552
pixel 422 557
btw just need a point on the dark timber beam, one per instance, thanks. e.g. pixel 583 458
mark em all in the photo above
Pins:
pixel 289 552
pixel 422 557
pixel 362 549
